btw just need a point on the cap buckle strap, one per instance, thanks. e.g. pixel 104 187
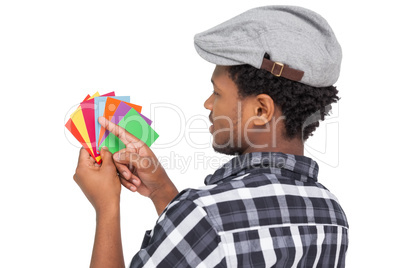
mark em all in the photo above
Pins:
pixel 281 70
pixel 273 68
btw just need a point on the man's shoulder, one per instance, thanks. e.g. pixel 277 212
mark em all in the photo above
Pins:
pixel 284 200
pixel 251 182
pixel 198 194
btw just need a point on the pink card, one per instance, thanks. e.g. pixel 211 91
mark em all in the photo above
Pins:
pixel 88 111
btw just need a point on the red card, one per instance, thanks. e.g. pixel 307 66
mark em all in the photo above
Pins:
pixel 88 111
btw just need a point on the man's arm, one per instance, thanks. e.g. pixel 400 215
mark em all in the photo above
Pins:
pixel 102 187
pixel 107 250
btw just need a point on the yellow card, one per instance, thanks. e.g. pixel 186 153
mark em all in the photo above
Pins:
pixel 78 119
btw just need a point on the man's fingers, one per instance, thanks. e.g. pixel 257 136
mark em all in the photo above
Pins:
pixel 121 133
pixel 107 157
pixel 123 170
pixel 128 185
pixel 125 157
pixel 135 180
pixel 85 157
pixel 84 160
pixel 134 161
pixel 128 176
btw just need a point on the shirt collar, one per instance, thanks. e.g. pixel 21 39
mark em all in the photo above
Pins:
pixel 295 166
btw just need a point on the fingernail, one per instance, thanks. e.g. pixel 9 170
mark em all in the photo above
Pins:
pixel 124 174
pixel 132 188
pixel 134 181
pixel 105 148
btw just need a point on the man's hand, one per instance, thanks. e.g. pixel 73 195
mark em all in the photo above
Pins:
pixel 100 184
pixel 139 168
pixel 102 187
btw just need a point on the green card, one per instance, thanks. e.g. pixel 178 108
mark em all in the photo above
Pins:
pixel 134 124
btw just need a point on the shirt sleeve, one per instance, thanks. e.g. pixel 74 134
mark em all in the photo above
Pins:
pixel 182 237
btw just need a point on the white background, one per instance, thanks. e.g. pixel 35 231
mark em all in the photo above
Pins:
pixel 53 53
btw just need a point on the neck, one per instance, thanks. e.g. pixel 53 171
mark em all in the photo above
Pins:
pixel 293 146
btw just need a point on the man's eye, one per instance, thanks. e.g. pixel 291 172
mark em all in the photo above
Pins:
pixel 215 93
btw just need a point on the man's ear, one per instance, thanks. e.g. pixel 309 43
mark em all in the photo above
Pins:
pixel 264 109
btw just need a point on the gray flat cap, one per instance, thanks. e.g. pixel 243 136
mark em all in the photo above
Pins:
pixel 301 45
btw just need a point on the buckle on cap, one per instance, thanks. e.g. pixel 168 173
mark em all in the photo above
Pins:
pixel 273 67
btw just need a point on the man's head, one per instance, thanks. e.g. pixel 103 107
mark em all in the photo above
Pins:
pixel 237 120
pixel 275 69
pixel 251 109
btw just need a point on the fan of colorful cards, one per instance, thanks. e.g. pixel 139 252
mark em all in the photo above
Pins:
pixel 84 126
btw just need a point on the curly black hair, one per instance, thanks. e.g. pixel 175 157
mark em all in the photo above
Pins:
pixel 302 105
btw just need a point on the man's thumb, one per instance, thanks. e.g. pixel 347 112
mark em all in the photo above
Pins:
pixel 106 156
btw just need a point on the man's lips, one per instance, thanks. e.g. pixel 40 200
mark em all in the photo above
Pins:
pixel 211 128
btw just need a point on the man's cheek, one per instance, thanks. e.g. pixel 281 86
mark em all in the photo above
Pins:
pixel 223 136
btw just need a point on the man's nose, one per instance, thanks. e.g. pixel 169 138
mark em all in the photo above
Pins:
pixel 208 104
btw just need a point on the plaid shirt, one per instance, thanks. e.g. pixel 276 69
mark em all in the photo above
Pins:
pixel 258 210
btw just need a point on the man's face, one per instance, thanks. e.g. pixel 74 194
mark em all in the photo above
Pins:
pixel 227 114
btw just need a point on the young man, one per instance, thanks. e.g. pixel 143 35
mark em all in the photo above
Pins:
pixel 275 67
